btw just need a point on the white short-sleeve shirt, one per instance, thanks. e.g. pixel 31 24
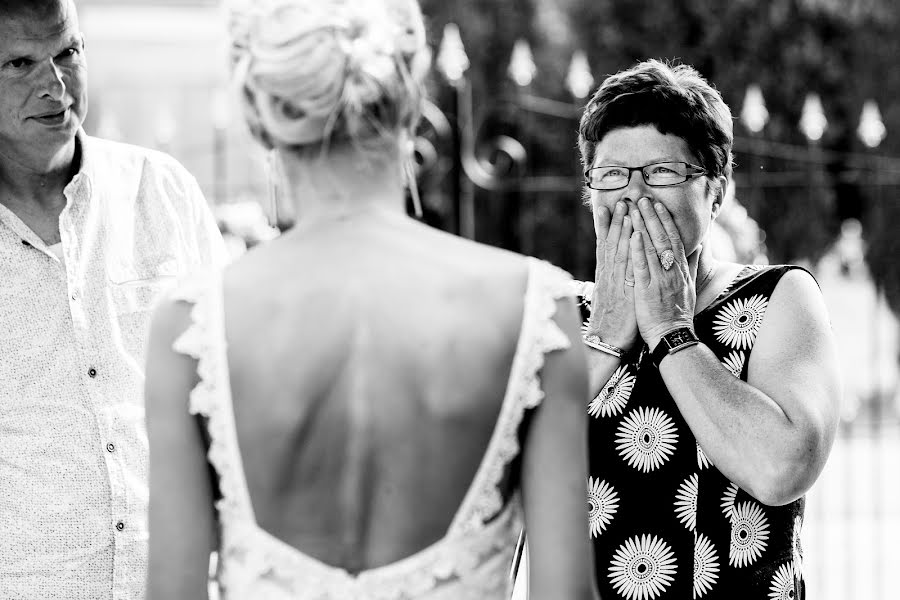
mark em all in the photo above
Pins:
pixel 73 328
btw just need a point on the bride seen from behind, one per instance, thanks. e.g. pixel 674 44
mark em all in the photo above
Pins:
pixel 363 407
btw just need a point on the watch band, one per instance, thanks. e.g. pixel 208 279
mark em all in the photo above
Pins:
pixel 594 341
pixel 672 342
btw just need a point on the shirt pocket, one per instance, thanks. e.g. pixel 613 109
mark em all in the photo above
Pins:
pixel 136 286
pixel 139 296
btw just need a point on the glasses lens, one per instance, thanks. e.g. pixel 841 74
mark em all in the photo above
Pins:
pixel 607 178
pixel 666 173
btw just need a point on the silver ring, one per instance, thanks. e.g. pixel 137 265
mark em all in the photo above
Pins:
pixel 629 282
pixel 667 259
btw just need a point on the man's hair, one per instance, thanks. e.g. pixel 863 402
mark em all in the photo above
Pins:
pixel 17 8
pixel 675 99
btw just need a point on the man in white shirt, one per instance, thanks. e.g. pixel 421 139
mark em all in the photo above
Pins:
pixel 91 233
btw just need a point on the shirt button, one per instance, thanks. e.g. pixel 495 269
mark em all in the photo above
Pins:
pixel 110 447
pixel 92 372
pixel 120 525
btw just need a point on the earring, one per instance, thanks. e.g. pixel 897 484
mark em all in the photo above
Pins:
pixel 272 184
pixel 409 171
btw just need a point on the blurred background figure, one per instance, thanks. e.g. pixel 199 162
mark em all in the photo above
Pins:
pixel 814 88
pixel 384 406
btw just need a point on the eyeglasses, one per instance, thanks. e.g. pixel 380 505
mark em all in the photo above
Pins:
pixel 614 177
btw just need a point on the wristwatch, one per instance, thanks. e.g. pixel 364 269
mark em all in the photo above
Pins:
pixel 672 342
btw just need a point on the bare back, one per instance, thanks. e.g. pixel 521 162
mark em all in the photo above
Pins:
pixel 368 364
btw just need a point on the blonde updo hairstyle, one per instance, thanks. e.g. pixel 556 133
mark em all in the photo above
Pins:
pixel 316 72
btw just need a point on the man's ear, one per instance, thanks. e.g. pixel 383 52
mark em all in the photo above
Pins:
pixel 721 191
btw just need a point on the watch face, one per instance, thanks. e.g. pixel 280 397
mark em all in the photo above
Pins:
pixel 678 337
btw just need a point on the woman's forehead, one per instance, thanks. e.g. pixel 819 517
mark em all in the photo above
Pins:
pixel 640 145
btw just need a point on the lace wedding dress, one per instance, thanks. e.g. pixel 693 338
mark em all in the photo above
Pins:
pixel 470 562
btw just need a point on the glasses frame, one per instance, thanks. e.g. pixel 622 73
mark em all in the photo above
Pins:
pixel 692 171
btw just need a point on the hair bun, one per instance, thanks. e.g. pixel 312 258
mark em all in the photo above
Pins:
pixel 311 69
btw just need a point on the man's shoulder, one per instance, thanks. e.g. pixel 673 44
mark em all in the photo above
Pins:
pixel 108 153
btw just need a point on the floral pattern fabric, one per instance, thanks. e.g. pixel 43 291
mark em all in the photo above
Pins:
pixel 665 523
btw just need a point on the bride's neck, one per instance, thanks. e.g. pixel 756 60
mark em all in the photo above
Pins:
pixel 343 181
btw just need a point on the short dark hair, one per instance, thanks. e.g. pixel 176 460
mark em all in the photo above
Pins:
pixel 675 99
pixel 16 8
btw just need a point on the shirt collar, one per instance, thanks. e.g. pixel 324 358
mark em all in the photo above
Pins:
pixel 82 183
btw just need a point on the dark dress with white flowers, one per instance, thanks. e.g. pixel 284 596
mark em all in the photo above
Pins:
pixel 664 521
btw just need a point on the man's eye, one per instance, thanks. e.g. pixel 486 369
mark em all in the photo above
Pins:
pixel 18 63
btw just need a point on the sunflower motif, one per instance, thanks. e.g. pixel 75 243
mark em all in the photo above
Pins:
pixel 614 396
pixel 603 502
pixel 734 362
pixel 782 586
pixel 646 438
pixel 642 568
pixel 728 501
pixel 686 502
pixel 583 290
pixel 797 546
pixel 749 534
pixel 738 323
pixel 706 565
pixel 702 460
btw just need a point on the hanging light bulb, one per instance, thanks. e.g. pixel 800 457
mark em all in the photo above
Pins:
pixel 871 128
pixel 452 60
pixel 579 79
pixel 754 114
pixel 521 65
pixel 812 119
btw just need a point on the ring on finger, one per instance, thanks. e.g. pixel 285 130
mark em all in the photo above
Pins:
pixel 666 259
pixel 629 282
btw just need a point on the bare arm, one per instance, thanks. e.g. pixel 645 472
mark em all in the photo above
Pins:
pixel 554 476
pixel 181 504
pixel 772 434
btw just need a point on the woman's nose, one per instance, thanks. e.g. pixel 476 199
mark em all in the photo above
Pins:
pixel 636 188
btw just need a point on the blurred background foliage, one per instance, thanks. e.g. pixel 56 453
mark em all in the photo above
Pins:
pixel 845 51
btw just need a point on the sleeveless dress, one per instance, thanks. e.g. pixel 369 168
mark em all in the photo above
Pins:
pixel 665 523
pixel 471 561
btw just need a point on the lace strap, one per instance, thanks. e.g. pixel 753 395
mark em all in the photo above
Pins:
pixel 539 335
pixel 204 339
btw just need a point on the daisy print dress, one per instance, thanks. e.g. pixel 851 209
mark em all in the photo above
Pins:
pixel 665 523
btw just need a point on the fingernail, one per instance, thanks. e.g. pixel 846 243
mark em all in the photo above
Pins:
pixel 644 202
pixel 659 207
pixel 620 206
pixel 627 220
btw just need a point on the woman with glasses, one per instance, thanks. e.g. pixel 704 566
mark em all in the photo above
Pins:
pixel 714 395
pixel 364 407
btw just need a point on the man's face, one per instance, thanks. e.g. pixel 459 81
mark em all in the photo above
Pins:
pixel 43 82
